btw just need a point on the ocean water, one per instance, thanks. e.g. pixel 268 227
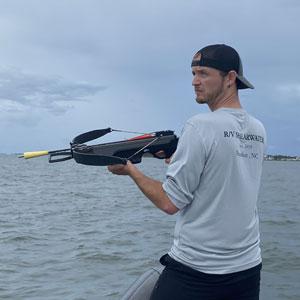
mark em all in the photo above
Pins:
pixel 69 231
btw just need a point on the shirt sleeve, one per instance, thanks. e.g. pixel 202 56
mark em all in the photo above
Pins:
pixel 184 172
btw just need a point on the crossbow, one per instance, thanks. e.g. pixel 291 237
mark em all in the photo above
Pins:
pixel 160 144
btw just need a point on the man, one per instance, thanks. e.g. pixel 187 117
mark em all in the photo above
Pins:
pixel 213 181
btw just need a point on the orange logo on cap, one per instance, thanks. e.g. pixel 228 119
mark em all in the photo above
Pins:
pixel 197 56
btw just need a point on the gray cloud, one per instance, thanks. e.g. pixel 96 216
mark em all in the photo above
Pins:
pixel 24 94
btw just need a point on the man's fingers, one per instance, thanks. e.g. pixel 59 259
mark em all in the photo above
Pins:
pixel 160 154
pixel 115 168
pixel 168 160
pixel 121 169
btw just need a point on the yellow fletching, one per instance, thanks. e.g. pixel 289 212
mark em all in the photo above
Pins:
pixel 28 155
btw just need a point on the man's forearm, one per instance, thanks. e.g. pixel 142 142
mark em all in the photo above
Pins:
pixel 154 191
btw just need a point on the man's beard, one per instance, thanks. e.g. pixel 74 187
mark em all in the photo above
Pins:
pixel 213 95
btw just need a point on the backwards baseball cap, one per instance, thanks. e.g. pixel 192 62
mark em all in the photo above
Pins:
pixel 223 58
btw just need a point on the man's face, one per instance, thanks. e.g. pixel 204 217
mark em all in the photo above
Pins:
pixel 208 83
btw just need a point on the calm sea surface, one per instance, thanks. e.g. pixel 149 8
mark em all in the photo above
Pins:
pixel 69 231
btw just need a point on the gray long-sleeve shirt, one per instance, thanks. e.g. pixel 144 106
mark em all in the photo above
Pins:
pixel 214 178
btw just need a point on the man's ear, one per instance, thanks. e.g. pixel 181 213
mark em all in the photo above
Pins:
pixel 231 78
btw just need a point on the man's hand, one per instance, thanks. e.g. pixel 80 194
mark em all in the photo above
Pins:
pixel 163 154
pixel 168 160
pixel 122 169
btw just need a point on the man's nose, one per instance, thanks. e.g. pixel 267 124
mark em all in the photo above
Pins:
pixel 195 81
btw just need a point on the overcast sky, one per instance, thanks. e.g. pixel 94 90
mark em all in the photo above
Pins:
pixel 68 66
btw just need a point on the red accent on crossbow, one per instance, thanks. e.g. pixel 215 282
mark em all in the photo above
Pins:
pixel 141 137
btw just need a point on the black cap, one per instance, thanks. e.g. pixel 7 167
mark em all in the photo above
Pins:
pixel 223 58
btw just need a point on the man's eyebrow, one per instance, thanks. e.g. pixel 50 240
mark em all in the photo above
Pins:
pixel 199 71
